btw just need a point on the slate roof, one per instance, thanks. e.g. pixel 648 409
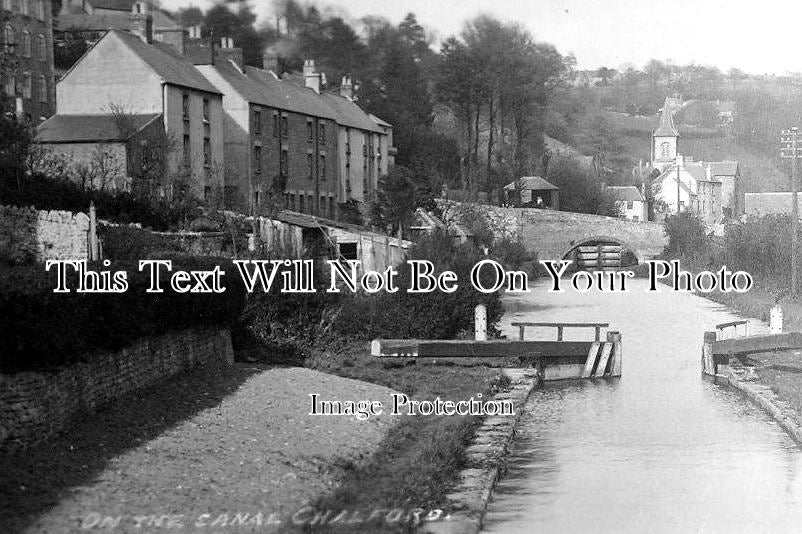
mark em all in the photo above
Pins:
pixel 349 114
pixel 666 127
pixel 165 60
pixel 87 128
pixel 628 193
pixel 769 203
pixel 288 96
pixel 111 21
pixel 117 5
pixel 724 168
pixel 534 183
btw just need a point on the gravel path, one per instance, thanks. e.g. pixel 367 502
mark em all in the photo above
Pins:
pixel 215 441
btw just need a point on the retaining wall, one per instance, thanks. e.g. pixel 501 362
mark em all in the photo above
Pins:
pixel 28 235
pixel 37 405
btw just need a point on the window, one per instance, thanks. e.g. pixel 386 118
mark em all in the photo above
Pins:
pixel 205 110
pixel 185 106
pixel 10 88
pixel 40 9
pixel 256 198
pixel 310 165
pixel 42 89
pixel 665 151
pixel 285 129
pixel 207 152
pixel 26 86
pixel 257 121
pixel 275 124
pixel 25 7
pixel 284 162
pixel 635 218
pixel 292 201
pixel 207 193
pixel 321 133
pixel 187 153
pixel 301 203
pixel 322 205
pixel 257 157
pixel 41 47
pixel 8 38
pixel 322 169
pixel 309 131
pixel 332 208
pixel 629 205
pixel 26 43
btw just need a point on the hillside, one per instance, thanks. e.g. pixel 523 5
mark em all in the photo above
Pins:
pixel 631 139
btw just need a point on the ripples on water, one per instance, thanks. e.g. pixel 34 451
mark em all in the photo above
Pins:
pixel 660 450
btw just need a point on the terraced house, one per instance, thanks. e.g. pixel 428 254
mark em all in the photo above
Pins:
pixel 291 145
pixel 149 82
pixel 26 58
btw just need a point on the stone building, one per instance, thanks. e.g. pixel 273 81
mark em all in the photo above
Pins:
pixel 630 202
pixel 26 58
pixel 130 73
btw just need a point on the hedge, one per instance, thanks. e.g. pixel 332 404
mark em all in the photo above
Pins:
pixel 43 330
pixel 47 193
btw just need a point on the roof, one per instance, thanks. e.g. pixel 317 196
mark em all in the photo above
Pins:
pixel 117 5
pixel 86 128
pixel 349 114
pixel 724 168
pixel 768 203
pixel 628 193
pixel 167 63
pixel 379 121
pixel 534 183
pixel 111 21
pixel 666 127
pixel 287 96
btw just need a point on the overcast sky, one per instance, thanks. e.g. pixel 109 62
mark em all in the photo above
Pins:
pixel 755 36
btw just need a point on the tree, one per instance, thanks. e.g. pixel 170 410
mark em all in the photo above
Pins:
pixel 579 190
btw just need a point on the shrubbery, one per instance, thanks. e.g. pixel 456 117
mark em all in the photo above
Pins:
pixel 47 193
pixel 43 330
pixel 434 315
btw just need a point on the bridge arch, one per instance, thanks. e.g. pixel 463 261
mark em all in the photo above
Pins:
pixel 629 253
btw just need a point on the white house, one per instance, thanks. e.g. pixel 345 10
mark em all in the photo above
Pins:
pixel 630 202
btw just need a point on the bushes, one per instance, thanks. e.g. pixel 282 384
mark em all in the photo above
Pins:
pixel 47 193
pixel 434 315
pixel 686 235
pixel 43 330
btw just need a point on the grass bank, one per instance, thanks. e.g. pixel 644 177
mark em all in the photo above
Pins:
pixel 421 456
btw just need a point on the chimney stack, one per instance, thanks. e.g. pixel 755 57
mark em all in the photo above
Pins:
pixel 194 32
pixel 311 76
pixel 228 52
pixel 142 21
pixel 347 87
pixel 270 61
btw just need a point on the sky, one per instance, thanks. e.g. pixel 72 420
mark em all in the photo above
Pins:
pixel 756 37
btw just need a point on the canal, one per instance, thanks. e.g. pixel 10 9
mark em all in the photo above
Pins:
pixel 661 449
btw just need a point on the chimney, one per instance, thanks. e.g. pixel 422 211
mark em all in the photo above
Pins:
pixel 347 87
pixel 228 51
pixel 194 32
pixel 270 61
pixel 141 21
pixel 311 76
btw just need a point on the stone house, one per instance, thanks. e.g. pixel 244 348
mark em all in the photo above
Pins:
pixel 689 186
pixel 28 82
pixel 132 73
pixel 630 202
pixel 534 192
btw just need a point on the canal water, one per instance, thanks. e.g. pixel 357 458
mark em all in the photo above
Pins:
pixel 659 450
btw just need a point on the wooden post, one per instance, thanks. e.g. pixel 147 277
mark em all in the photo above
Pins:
pixel 94 249
pixel 598 333
pixel 708 366
pixel 776 320
pixel 559 333
pixel 480 322
pixel 521 332
pixel 617 355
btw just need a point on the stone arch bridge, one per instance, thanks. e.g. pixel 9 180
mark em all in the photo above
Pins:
pixel 553 234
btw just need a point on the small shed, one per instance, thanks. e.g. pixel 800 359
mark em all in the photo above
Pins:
pixel 535 192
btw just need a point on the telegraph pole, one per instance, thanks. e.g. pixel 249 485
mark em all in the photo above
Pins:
pixel 790 149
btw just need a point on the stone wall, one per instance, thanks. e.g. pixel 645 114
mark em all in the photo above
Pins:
pixel 27 234
pixel 552 234
pixel 37 405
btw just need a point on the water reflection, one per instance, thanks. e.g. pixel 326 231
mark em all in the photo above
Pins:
pixel 659 450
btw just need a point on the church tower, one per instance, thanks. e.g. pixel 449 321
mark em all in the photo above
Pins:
pixel 664 139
